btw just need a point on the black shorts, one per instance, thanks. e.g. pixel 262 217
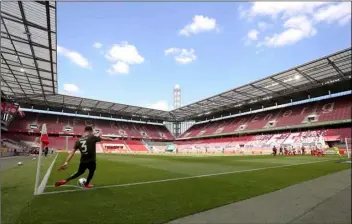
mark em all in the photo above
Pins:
pixel 91 166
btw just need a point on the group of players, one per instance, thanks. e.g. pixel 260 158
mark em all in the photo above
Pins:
pixel 289 151
pixel 314 150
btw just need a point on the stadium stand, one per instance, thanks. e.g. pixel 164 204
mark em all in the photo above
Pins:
pixel 320 112
pixel 158 147
pixel 57 124
pixel 12 145
pixel 136 146
pixel 262 144
pixel 65 142
pixel 258 131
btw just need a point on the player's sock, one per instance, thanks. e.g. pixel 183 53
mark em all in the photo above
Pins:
pixel 60 182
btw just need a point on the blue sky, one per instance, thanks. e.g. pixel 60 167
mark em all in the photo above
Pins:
pixel 135 53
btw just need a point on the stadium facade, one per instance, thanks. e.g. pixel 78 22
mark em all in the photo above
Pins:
pixel 306 105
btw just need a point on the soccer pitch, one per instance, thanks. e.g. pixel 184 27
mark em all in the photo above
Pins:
pixel 151 188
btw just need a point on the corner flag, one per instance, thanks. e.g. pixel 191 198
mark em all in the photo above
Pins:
pixel 44 138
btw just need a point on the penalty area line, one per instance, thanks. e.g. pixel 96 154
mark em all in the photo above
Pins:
pixel 179 178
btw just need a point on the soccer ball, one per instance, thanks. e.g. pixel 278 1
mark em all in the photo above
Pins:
pixel 82 182
pixel 19 163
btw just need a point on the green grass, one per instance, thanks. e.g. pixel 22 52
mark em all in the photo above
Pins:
pixel 154 202
pixel 17 186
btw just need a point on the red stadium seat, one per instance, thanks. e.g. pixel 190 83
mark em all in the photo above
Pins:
pixel 58 124
pixel 315 112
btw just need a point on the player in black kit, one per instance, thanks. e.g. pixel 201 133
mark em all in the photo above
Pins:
pixel 87 146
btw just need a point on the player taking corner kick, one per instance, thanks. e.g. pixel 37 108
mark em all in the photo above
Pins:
pixel 87 146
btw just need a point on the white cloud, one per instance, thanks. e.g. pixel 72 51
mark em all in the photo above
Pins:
pixel 299 19
pixel 182 56
pixel 285 9
pixel 123 55
pixel 71 88
pixel 124 52
pixel 253 34
pixel 75 57
pixel 97 45
pixel 200 24
pixel 297 28
pixel 340 13
pixel 119 68
pixel 160 105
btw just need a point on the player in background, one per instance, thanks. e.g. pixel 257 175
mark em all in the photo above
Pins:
pixel 313 150
pixel 303 149
pixel 281 151
pixel 299 152
pixel 333 148
pixel 319 150
pixel 293 150
pixel 289 148
pixel 87 146
pixel 274 151
pixel 46 151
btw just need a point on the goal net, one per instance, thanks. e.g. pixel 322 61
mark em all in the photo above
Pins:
pixel 348 147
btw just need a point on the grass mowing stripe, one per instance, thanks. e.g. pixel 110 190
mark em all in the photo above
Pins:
pixel 182 178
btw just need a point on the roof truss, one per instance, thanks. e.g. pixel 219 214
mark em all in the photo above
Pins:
pixel 64 102
pixel 332 68
pixel 28 48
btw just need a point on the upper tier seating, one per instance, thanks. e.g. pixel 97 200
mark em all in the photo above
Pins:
pixel 58 124
pixel 334 109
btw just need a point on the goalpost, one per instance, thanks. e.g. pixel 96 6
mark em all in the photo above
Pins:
pixel 348 147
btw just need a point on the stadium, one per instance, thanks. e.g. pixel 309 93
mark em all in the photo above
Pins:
pixel 166 166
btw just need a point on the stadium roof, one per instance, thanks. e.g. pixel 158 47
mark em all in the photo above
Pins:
pixel 29 72
pixel 323 71
pixel 28 48
pixel 74 103
pixel 28 62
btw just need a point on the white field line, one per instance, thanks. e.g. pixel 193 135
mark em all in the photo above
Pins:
pixel 66 185
pixel 13 157
pixel 46 177
pixel 180 178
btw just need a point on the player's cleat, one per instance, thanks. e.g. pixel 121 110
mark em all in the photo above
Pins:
pixel 88 186
pixel 59 183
